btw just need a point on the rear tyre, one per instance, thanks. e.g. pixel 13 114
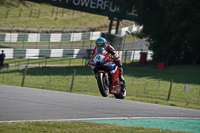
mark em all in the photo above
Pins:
pixel 122 94
pixel 103 88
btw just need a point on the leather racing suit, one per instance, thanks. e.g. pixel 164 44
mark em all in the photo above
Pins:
pixel 117 61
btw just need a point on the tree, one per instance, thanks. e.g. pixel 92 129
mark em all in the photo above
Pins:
pixel 172 27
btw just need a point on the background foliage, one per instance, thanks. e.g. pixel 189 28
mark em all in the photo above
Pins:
pixel 171 26
pixel 173 29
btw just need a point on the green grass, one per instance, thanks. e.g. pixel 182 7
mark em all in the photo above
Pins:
pixel 59 79
pixel 52 16
pixel 46 61
pixel 144 82
pixel 75 127
pixel 69 19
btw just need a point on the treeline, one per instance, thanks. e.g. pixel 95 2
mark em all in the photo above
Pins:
pixel 172 28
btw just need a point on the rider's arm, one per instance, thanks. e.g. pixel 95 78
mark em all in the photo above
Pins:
pixel 112 51
pixel 92 53
pixel 110 48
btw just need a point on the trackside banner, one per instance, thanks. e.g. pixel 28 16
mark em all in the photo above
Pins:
pixel 100 7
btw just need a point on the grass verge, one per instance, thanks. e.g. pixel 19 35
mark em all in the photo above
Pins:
pixel 32 14
pixel 144 82
pixel 75 127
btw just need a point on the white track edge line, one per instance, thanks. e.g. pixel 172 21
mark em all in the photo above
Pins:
pixel 109 118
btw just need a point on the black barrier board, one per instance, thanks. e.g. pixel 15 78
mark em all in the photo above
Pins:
pixel 100 7
pixel 113 40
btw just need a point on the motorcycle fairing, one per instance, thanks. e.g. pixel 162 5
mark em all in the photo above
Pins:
pixel 112 67
pixel 101 63
pixel 98 58
pixel 115 88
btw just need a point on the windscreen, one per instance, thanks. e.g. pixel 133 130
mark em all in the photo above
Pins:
pixel 100 50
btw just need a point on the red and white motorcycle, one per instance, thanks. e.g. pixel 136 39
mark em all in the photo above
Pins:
pixel 107 74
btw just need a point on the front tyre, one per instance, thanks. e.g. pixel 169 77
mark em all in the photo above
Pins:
pixel 103 88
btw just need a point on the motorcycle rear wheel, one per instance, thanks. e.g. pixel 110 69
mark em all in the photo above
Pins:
pixel 122 94
pixel 103 88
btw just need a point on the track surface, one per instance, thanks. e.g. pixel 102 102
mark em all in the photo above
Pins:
pixel 21 103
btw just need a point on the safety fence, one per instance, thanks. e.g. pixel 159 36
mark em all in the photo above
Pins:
pixel 58 37
pixel 145 87
pixel 37 13
pixel 66 53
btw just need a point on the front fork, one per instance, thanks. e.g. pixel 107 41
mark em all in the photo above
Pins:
pixel 105 74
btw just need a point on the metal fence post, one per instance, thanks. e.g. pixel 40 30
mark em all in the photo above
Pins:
pixel 7 13
pixel 63 28
pixel 145 87
pixel 51 28
pixel 11 33
pixel 30 13
pixel 72 84
pixel 25 27
pixel 38 13
pixel 20 12
pixel 56 13
pixel 170 89
pixel 124 40
pixel 23 79
pixel 38 28
pixel 125 56
pixel 133 43
pixel 133 56
pixel 91 41
pixel 72 37
pixel 83 38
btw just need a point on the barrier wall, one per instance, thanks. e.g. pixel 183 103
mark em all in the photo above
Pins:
pixel 62 53
pixel 58 37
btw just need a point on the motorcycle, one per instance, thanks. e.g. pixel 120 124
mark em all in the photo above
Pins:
pixel 107 74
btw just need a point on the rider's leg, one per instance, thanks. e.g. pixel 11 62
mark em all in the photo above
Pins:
pixel 121 78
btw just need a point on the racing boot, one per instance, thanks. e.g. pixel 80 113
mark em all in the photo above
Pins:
pixel 121 78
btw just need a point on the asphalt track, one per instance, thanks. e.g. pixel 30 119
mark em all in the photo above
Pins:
pixel 21 103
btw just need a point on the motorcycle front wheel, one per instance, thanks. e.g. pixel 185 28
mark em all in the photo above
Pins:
pixel 103 88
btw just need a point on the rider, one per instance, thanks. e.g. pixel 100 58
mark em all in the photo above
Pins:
pixel 101 42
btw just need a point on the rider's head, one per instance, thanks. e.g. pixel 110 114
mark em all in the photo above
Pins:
pixel 101 42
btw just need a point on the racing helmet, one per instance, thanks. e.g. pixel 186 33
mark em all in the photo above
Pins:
pixel 101 42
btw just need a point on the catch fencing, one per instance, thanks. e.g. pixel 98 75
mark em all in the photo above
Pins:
pixel 37 13
pixel 59 37
pixel 67 53
pixel 54 34
pixel 59 79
